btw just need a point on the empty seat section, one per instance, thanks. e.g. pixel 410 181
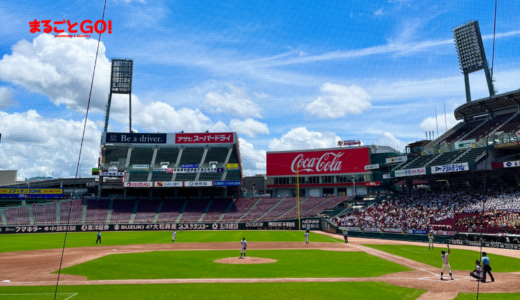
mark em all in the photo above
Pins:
pixel 511 126
pixel 327 204
pixel 281 209
pixel 261 208
pixel 167 155
pixel 18 216
pixel 71 212
pixel 488 127
pixel 471 155
pixel 116 155
pixel 463 130
pixel 304 206
pixel 191 156
pixel 238 209
pixel 97 211
pixel 194 210
pixel 122 211
pixel 217 208
pixel 146 211
pixel 45 214
pixel 170 210
pixel 141 156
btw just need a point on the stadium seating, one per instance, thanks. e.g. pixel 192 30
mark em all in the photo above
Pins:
pixel 71 212
pixel 122 211
pixel 471 156
pixel 141 156
pixel 444 158
pixel 193 156
pixel 261 208
pixel 170 211
pixel 146 211
pixel 463 130
pixel 238 209
pixel 18 216
pixel 97 211
pixel 115 155
pixel 166 154
pixel 488 127
pixel 44 214
pixel 304 206
pixel 512 126
pixel 194 210
pixel 329 203
pixel 217 208
pixel 280 209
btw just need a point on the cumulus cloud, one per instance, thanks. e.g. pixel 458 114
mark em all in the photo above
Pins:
pixel 378 12
pixel 253 161
pixel 249 127
pixel 38 146
pixel 338 100
pixel 60 69
pixel 6 97
pixel 301 138
pixel 236 103
pixel 388 139
pixel 430 123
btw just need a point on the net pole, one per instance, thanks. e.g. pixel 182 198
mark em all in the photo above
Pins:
pixel 298 194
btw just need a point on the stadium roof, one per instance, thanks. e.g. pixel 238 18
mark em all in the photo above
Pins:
pixel 489 104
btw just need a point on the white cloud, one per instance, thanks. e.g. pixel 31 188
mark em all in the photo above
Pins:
pixel 388 139
pixel 431 124
pixel 379 12
pixel 59 68
pixel 6 97
pixel 253 161
pixel 262 95
pixel 38 146
pixel 249 127
pixel 236 103
pixel 301 138
pixel 162 117
pixel 338 101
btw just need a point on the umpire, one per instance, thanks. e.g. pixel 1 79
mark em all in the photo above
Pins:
pixel 487 267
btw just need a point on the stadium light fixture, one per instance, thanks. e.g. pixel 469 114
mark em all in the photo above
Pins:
pixel 120 83
pixel 471 54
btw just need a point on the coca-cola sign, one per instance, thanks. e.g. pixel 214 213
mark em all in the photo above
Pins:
pixel 342 161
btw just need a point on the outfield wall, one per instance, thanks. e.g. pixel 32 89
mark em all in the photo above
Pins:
pixel 310 223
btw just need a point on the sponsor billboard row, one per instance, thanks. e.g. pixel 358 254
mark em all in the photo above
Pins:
pixel 512 164
pixel 450 168
pixel 31 192
pixel 410 172
pixel 148 184
pixel 322 162
pixel 162 138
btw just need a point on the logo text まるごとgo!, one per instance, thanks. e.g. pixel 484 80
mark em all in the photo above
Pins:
pixel 73 28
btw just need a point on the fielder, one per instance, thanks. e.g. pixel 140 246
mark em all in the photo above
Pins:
pixel 445 262
pixel 174 234
pixel 307 238
pixel 345 236
pixel 430 240
pixel 243 243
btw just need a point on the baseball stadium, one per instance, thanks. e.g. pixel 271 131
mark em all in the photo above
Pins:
pixel 175 214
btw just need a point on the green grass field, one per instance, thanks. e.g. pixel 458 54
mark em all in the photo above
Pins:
pixel 199 264
pixel 24 242
pixel 482 296
pixel 460 260
pixel 260 291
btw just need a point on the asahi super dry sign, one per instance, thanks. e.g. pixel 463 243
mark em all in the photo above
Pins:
pixel 318 162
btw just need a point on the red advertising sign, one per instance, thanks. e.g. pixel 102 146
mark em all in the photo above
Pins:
pixel 204 138
pixel 373 183
pixel 341 161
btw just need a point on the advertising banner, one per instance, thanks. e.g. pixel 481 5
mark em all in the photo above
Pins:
pixel 192 166
pixel 444 232
pixel 505 145
pixel 283 225
pixel 417 231
pixel 396 159
pixel 372 167
pixel 112 169
pixel 410 172
pixel 140 166
pixel 138 184
pixel 340 161
pixel 373 229
pixel 204 138
pixel 197 183
pixel 386 176
pixel 464 144
pixel 135 138
pixel 373 183
pixel 112 174
pixel 228 183
pixel 512 164
pixel 450 168
pixel 232 166
pixel 350 228
pixel 485 244
pixel 198 170
pixel 398 230
pixel 31 192
pixel 351 143
pixel 168 184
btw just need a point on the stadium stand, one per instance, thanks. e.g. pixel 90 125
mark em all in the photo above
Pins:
pixel 18 216
pixel 170 210
pixel 194 210
pixel 464 130
pixel 97 211
pixel 285 205
pixel 146 211
pixel 44 214
pixel 71 209
pixel 122 211
pixel 261 208
pixel 512 126
pixel 488 127
pixel 217 208
pixel 328 203
pixel 239 209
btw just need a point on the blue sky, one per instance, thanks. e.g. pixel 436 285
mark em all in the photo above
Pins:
pixel 283 74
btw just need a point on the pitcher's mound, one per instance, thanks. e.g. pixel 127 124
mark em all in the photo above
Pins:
pixel 244 261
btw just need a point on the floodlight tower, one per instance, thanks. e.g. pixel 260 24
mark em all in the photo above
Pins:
pixel 120 83
pixel 472 58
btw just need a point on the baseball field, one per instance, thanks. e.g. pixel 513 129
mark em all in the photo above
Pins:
pixel 206 264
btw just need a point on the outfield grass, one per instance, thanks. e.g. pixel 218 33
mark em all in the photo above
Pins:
pixel 482 296
pixel 460 260
pixel 260 291
pixel 37 241
pixel 199 264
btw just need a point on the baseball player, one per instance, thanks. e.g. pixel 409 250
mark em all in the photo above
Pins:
pixel 445 262
pixel 345 236
pixel 307 238
pixel 477 273
pixel 174 234
pixel 430 240
pixel 243 243
pixel 98 237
